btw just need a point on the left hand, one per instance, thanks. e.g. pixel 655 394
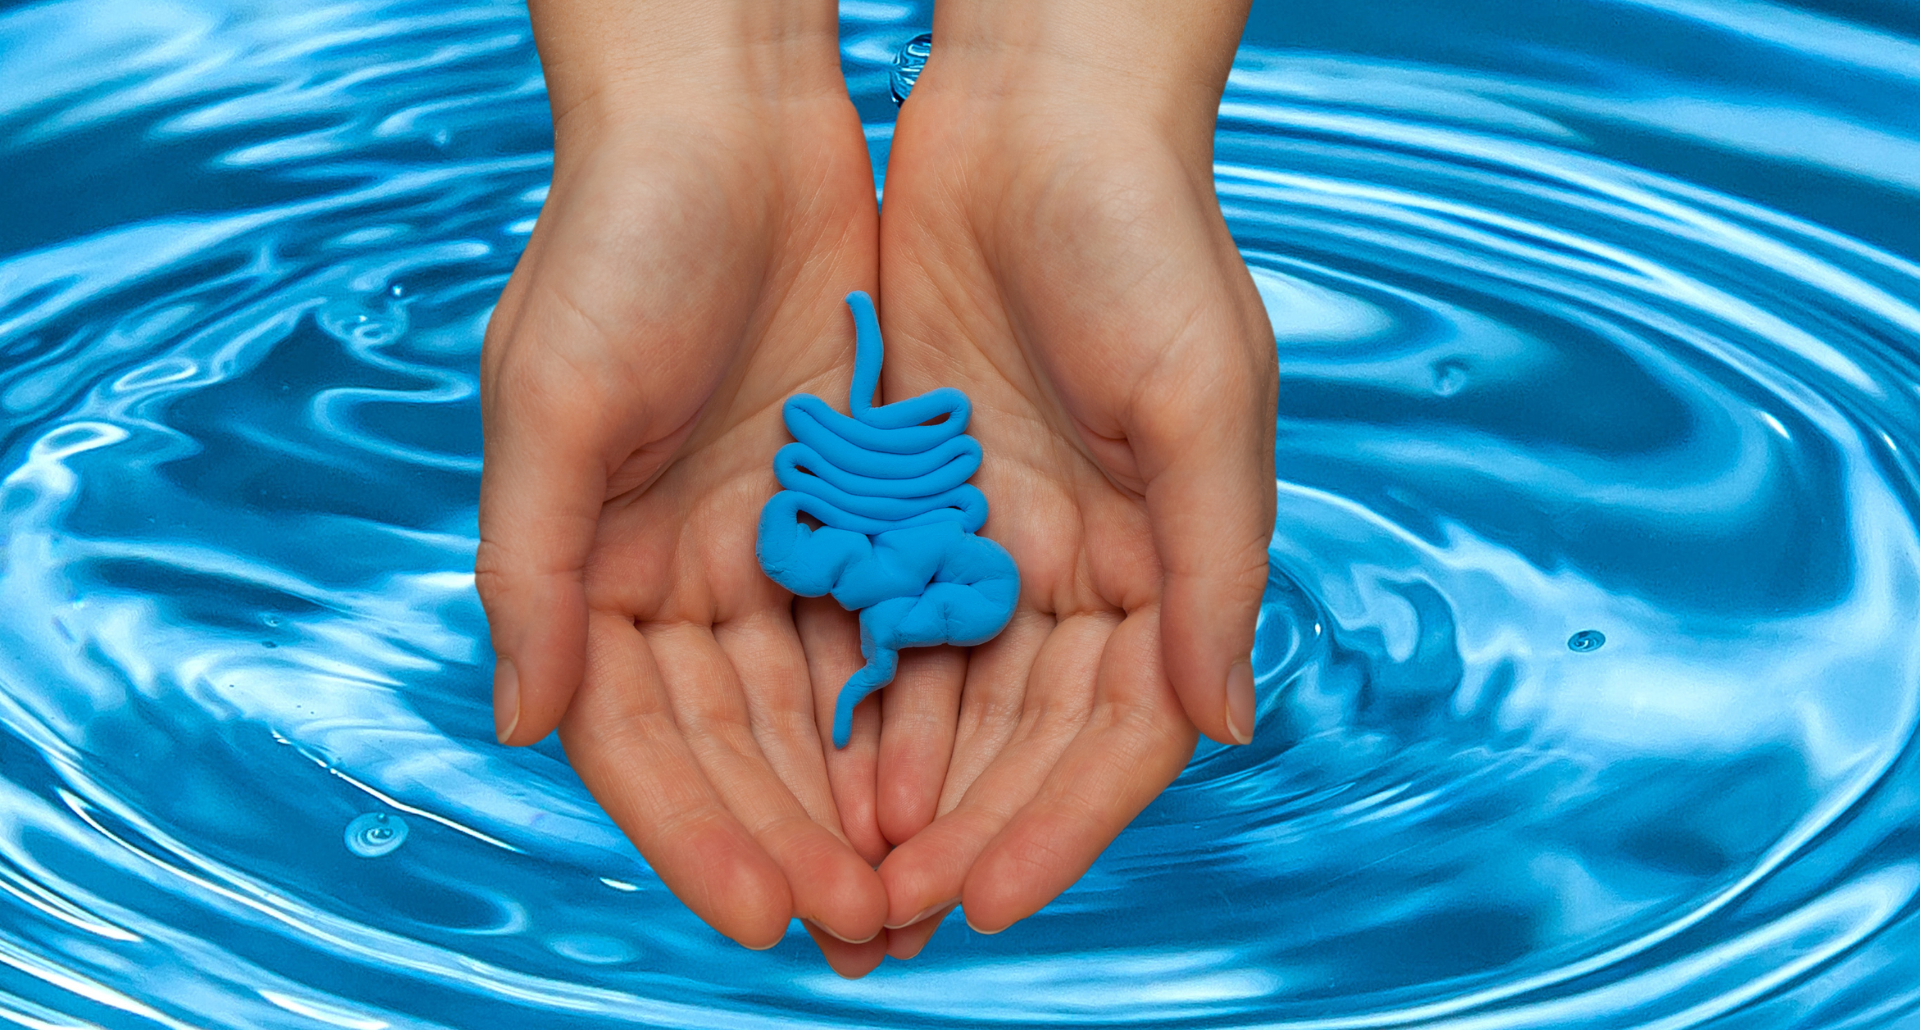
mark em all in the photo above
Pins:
pixel 1057 252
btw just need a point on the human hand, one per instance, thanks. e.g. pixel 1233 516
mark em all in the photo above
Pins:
pixel 1051 244
pixel 711 204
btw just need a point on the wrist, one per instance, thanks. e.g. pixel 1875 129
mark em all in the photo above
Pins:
pixel 1142 64
pixel 610 64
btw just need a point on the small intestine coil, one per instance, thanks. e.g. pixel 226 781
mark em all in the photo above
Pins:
pixel 896 540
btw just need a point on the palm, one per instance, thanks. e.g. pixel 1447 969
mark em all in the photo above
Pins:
pixel 1092 305
pixel 633 376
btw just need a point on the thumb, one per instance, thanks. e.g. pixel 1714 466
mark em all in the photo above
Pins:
pixel 1210 500
pixel 542 486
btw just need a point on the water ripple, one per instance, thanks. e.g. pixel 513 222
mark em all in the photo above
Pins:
pixel 1588 331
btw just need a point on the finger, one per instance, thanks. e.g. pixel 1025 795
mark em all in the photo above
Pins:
pixel 765 652
pixel 851 961
pixel 541 489
pixel 1209 489
pixel 919 711
pixel 991 700
pixel 621 739
pixel 928 872
pixel 830 884
pixel 907 941
pixel 1135 743
pixel 830 636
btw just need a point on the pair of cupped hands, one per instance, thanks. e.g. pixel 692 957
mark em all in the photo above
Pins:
pixel 1051 245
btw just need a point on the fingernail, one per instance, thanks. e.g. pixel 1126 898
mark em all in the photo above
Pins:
pixel 924 913
pixel 828 930
pixel 506 699
pixel 1240 702
pixel 976 929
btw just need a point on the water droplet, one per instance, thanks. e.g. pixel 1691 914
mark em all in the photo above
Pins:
pixel 1586 640
pixel 271 620
pixel 375 834
pixel 397 290
pixel 1449 376
pixel 907 65
pixel 351 322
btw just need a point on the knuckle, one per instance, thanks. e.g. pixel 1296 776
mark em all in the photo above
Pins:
pixel 491 578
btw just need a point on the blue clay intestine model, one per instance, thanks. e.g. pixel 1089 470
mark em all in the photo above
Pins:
pixel 898 518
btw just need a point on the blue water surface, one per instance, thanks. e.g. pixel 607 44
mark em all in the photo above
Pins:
pixel 1589 662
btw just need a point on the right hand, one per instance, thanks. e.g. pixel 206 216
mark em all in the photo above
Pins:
pixel 684 278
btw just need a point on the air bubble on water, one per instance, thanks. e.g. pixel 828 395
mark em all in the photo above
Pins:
pixel 440 137
pixel 1449 377
pixel 396 290
pixel 375 834
pixel 1586 640
pixel 908 64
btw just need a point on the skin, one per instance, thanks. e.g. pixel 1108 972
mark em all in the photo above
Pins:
pixel 1052 246
pixel 711 203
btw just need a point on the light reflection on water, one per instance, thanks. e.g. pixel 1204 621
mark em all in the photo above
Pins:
pixel 1593 317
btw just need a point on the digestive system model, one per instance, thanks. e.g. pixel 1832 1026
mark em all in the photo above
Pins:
pixel 896 540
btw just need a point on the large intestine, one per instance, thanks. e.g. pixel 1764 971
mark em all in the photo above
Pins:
pixel 896 540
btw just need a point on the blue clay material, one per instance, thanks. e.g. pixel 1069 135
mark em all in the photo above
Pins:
pixel 896 541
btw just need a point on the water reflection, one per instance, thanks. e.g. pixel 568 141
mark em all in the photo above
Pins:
pixel 1586 337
